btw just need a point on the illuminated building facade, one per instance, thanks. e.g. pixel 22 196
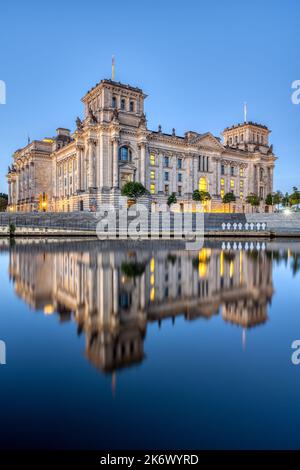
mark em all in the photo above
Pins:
pixel 112 145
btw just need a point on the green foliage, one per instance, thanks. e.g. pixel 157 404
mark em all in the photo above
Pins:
pixel 172 199
pixel 228 198
pixel 12 229
pixel 3 202
pixel 133 190
pixel 201 196
pixel 132 269
pixel 286 200
pixel 269 200
pixel 253 199
pixel 294 198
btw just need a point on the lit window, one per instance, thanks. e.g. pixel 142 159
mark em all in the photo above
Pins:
pixel 131 106
pixel 152 265
pixel 241 171
pixel 232 184
pixel 222 193
pixel 152 294
pixel 152 174
pixel 152 188
pixel 222 182
pixel 202 184
pixel 241 194
pixel 152 159
pixel 241 184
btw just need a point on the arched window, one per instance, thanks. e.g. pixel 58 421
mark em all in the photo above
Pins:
pixel 125 154
pixel 131 106
pixel 202 184
pixel 123 104
pixel 114 102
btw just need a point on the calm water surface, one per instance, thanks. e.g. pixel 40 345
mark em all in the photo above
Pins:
pixel 115 346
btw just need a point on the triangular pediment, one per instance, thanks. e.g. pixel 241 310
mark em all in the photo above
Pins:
pixel 207 140
pixel 127 166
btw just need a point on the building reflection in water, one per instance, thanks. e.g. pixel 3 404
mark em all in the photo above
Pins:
pixel 112 295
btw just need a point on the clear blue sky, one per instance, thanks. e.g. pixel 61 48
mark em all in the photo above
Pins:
pixel 197 60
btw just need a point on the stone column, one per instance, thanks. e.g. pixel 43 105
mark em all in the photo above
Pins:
pixel 79 168
pixel 217 165
pixel 189 182
pixel 143 163
pixel 115 144
pixel 91 166
pixel 9 192
pixel 195 176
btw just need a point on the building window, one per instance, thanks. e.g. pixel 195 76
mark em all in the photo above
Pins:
pixel 202 184
pixel 131 106
pixel 114 102
pixel 241 194
pixel 179 191
pixel 241 171
pixel 230 140
pixel 222 169
pixel 123 104
pixel 242 137
pixel 166 189
pixel 261 192
pixel 232 170
pixel 166 161
pixel 152 159
pixel 179 163
pixel 152 188
pixel 152 174
pixel 222 181
pixel 231 184
pixel 222 193
pixel 261 171
pixel 125 154
pixel 241 184
pixel 166 176
pixel 235 139
pixel 180 177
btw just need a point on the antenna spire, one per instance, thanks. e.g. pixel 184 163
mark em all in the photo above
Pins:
pixel 113 68
pixel 245 111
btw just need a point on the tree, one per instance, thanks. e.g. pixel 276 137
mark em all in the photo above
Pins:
pixel 172 199
pixel 277 198
pixel 286 200
pixel 228 198
pixel 3 202
pixel 269 200
pixel 294 198
pixel 201 196
pixel 253 200
pixel 133 190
